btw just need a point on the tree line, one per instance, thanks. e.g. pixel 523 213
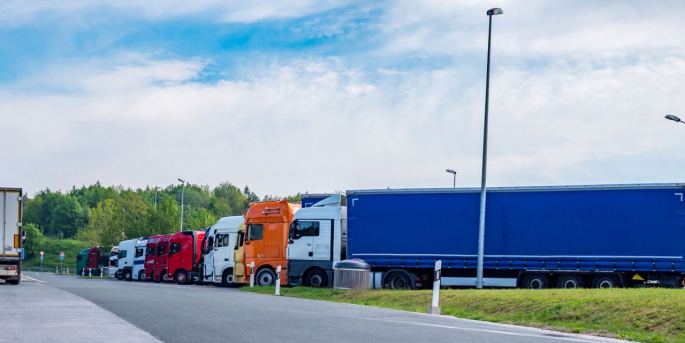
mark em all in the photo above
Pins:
pixel 103 216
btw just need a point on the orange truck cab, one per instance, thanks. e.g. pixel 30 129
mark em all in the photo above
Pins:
pixel 266 239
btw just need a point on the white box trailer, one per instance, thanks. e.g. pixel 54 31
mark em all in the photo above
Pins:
pixel 217 251
pixel 12 234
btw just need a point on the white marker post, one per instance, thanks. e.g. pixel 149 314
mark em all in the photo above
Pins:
pixel 67 270
pixel 434 308
pixel 278 280
pixel 251 274
pixel 102 270
pixel 56 270
pixel 83 272
pixel 90 272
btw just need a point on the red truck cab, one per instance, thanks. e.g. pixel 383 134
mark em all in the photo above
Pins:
pixel 184 256
pixel 150 254
pixel 161 259
pixel 98 258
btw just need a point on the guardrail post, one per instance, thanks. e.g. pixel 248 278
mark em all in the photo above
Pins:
pixel 251 274
pixel 434 308
pixel 278 280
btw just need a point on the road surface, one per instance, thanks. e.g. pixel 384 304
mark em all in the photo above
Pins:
pixel 70 309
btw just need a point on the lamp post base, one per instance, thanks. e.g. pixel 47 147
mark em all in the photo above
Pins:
pixel 433 310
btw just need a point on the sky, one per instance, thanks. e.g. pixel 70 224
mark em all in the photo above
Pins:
pixel 316 96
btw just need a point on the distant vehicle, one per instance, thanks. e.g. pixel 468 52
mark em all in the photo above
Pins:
pixel 13 237
pixel 219 246
pixel 600 236
pixel 150 255
pixel 139 260
pixel 266 238
pixel 113 257
pixel 185 251
pixel 131 258
pixel 98 258
pixel 81 260
pixel 161 259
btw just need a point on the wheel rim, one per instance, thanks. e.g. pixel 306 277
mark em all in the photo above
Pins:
pixel 165 277
pixel 181 277
pixel 535 283
pixel 315 281
pixel 229 278
pixel 266 279
pixel 569 283
pixel 398 282
pixel 605 283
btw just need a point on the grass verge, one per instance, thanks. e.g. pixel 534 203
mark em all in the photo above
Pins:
pixel 646 315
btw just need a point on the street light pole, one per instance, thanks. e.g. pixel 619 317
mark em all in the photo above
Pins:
pixel 481 223
pixel 674 118
pixel 454 174
pixel 183 190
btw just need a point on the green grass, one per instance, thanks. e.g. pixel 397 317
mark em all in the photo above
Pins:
pixel 646 315
pixel 52 248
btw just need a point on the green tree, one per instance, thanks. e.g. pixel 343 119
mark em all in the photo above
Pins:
pixel 67 217
pixel 33 242
pixel 197 218
pixel 166 218
pixel 105 224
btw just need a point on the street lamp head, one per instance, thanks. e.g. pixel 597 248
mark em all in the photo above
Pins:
pixel 495 11
pixel 451 171
pixel 672 117
pixel 181 180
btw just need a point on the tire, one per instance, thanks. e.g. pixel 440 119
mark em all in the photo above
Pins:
pixel 181 277
pixel 535 281
pixel 227 278
pixel 141 275
pixel 570 281
pixel 398 281
pixel 164 276
pixel 605 281
pixel 316 278
pixel 128 275
pixel 14 282
pixel 266 277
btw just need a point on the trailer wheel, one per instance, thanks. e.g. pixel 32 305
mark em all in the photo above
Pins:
pixel 128 275
pixel 141 275
pixel 605 281
pixel 227 278
pixel 316 278
pixel 181 277
pixel 266 277
pixel 398 281
pixel 570 281
pixel 536 281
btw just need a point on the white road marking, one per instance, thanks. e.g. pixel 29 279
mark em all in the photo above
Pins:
pixel 32 279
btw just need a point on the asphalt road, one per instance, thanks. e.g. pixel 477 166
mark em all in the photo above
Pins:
pixel 173 313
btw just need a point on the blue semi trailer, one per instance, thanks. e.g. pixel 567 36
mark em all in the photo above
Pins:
pixel 535 237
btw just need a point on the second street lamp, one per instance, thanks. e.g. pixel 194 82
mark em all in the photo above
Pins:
pixel 454 173
pixel 481 223
pixel 183 190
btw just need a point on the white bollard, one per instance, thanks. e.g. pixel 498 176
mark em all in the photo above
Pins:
pixel 251 274
pixel 56 270
pixel 83 272
pixel 90 272
pixel 278 280
pixel 434 308
pixel 67 270
pixel 101 271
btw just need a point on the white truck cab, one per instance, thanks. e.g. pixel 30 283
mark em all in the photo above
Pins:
pixel 127 253
pixel 218 247
pixel 318 239
pixel 113 257
pixel 139 260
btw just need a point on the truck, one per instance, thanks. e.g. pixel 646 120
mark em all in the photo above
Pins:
pixel 98 258
pixel 266 237
pixel 81 260
pixel 161 258
pixel 308 200
pixel 113 257
pixel 139 260
pixel 131 258
pixel 218 254
pixel 185 251
pixel 13 237
pixel 238 255
pixel 598 236
pixel 150 255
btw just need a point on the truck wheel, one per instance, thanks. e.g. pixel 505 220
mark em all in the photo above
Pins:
pixel 14 282
pixel 398 281
pixel 164 276
pixel 181 277
pixel 141 275
pixel 536 281
pixel 570 281
pixel 266 277
pixel 605 281
pixel 316 278
pixel 128 275
pixel 227 278
pixel 119 275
